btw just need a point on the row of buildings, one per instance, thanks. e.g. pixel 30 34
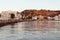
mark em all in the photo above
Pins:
pixel 40 17
pixel 6 15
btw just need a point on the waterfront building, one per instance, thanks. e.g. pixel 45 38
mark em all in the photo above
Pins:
pixel 5 15
pixel 56 17
pixel 50 18
pixel 34 17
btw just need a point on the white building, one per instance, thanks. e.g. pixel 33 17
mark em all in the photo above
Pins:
pixel 50 18
pixel 5 15
pixel 34 18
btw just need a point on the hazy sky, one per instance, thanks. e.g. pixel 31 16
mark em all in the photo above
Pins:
pixel 19 5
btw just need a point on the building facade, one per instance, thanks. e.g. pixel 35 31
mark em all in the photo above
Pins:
pixel 5 15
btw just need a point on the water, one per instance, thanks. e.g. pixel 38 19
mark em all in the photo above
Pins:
pixel 35 30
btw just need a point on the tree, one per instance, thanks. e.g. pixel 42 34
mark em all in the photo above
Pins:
pixel 0 15
pixel 12 15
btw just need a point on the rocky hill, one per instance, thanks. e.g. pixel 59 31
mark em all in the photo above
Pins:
pixel 40 12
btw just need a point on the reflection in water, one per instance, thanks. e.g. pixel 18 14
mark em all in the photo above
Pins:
pixel 34 30
pixel 41 26
pixel 12 29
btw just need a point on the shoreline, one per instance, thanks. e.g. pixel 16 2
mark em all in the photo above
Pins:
pixel 5 22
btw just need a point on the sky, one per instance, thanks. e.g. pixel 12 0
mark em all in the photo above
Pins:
pixel 20 5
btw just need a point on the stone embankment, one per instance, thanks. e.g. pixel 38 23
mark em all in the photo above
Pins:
pixel 11 21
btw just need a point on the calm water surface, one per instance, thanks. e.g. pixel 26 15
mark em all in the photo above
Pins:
pixel 35 30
